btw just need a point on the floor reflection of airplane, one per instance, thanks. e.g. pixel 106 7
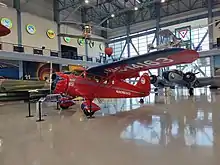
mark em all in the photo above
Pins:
pixel 108 80
pixel 160 82
pixel 189 80
pixel 166 40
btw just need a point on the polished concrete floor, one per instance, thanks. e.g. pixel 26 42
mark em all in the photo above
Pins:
pixel 165 131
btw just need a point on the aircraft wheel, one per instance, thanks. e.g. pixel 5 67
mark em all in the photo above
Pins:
pixel 191 93
pixel 88 114
pixel 62 107
pixel 141 101
pixel 86 111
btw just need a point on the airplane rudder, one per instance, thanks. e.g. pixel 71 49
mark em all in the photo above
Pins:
pixel 144 82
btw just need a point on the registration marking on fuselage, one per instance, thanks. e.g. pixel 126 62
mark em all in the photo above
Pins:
pixel 140 65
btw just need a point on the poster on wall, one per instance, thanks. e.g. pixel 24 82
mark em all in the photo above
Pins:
pixel 9 69
pixel 38 71
pixel 217 65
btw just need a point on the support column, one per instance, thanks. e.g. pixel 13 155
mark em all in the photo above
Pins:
pixel 128 41
pixel 157 6
pixel 157 10
pixel 56 17
pixel 83 17
pixel 16 5
pixel 210 20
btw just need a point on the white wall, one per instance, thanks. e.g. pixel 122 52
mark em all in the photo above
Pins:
pixel 93 52
pixel 40 38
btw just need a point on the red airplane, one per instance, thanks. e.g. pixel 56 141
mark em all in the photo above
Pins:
pixel 108 80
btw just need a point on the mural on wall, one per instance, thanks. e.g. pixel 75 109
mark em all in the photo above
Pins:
pixel 38 71
pixel 9 69
pixel 217 65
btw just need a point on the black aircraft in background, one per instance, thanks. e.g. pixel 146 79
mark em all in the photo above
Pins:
pixel 160 82
pixel 189 80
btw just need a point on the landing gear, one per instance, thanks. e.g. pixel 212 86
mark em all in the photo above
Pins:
pixel 141 101
pixel 64 107
pixel 191 92
pixel 87 109
pixel 89 114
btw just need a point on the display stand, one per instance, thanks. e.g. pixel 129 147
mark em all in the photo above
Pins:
pixel 29 106
pixel 39 109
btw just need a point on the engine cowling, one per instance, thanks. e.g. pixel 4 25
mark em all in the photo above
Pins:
pixel 189 77
pixel 59 83
pixel 173 76
pixel 153 79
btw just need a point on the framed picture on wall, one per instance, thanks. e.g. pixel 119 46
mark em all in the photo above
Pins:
pixel 50 34
pixel 31 29
pixel 6 22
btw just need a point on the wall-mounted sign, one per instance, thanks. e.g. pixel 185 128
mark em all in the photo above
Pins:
pixel 91 44
pixel 51 34
pixel 6 22
pixel 67 39
pixel 31 29
pixel 80 41
pixel 101 47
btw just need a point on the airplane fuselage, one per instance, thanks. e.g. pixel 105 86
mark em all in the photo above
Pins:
pixel 96 88
pixel 188 79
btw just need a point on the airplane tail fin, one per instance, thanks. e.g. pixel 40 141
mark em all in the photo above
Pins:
pixel 144 83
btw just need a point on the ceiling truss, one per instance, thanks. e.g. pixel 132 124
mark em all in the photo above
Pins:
pixel 100 11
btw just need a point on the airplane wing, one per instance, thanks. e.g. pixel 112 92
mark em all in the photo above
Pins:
pixel 206 81
pixel 131 67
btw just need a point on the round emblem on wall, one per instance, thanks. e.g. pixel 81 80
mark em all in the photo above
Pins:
pixel 142 80
pixel 67 39
pixel 80 41
pixel 50 34
pixel 6 22
pixel 101 47
pixel 31 29
pixel 91 44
